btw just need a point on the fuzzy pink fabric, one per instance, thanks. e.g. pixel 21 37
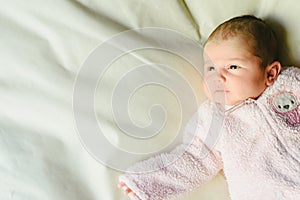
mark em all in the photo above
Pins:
pixel 258 147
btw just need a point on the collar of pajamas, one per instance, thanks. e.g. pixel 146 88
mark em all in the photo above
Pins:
pixel 256 143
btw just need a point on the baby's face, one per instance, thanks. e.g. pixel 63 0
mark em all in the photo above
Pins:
pixel 232 73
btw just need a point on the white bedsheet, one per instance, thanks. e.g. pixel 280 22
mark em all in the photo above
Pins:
pixel 43 46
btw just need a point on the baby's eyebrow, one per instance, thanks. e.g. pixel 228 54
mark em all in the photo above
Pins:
pixel 208 62
pixel 228 60
pixel 237 58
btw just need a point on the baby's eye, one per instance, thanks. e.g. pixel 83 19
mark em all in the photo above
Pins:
pixel 211 68
pixel 233 67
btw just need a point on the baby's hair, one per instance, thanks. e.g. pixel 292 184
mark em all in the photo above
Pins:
pixel 259 35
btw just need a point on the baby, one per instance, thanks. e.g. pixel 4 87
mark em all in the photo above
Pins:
pixel 259 144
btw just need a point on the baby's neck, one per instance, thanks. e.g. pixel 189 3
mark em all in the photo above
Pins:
pixel 231 108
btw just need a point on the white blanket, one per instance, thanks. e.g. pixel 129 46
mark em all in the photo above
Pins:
pixel 44 44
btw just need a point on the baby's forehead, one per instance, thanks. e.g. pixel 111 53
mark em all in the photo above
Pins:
pixel 220 50
pixel 229 35
pixel 241 40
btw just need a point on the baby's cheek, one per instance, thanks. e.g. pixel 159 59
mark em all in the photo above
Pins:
pixel 206 90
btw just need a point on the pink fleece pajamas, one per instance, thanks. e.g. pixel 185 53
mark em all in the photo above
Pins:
pixel 257 146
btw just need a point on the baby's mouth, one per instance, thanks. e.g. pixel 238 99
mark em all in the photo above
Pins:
pixel 221 91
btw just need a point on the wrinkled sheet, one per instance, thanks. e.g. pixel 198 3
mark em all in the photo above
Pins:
pixel 44 44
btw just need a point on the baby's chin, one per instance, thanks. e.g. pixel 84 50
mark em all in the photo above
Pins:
pixel 227 102
pixel 223 99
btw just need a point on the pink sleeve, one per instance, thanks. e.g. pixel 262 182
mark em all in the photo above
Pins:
pixel 183 170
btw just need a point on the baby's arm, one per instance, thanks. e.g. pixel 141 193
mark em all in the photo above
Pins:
pixel 186 174
pixel 157 178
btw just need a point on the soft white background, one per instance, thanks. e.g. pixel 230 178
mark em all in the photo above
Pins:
pixel 42 46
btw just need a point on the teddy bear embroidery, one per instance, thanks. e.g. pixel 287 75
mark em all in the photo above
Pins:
pixel 286 105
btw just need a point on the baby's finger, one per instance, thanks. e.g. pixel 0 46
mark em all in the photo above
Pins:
pixel 121 184
pixel 127 190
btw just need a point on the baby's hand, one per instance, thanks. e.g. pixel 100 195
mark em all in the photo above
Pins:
pixel 126 189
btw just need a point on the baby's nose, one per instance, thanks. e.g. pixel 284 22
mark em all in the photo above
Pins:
pixel 222 75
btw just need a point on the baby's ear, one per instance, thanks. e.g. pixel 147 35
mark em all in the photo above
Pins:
pixel 272 72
